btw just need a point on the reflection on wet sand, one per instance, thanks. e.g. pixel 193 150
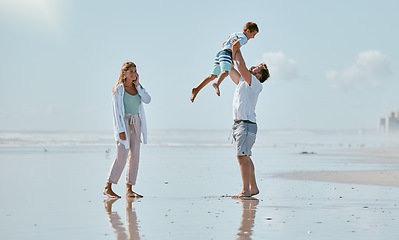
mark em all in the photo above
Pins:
pixel 248 217
pixel 131 220
pixel 116 222
pixel 249 207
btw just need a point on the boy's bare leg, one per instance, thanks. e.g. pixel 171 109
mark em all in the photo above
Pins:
pixel 253 187
pixel 108 191
pixel 204 82
pixel 221 77
pixel 245 168
pixel 130 193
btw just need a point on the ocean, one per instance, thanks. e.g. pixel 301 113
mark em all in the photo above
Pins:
pixel 201 138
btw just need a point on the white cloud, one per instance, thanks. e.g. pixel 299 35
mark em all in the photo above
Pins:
pixel 370 67
pixel 280 66
pixel 39 12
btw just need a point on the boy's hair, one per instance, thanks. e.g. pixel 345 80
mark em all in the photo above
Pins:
pixel 251 26
pixel 264 72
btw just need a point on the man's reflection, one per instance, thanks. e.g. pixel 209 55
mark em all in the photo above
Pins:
pixel 116 221
pixel 248 217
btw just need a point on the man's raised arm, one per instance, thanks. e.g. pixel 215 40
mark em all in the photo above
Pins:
pixel 242 68
pixel 235 75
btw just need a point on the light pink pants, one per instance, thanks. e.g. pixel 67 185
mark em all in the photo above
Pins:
pixel 133 127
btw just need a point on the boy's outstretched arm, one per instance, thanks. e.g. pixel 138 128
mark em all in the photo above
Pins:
pixel 242 68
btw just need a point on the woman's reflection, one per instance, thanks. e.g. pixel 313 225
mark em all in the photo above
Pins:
pixel 131 220
pixel 116 222
pixel 248 217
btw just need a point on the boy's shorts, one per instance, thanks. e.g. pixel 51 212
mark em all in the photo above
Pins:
pixel 222 63
pixel 244 135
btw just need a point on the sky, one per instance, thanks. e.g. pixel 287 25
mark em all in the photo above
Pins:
pixel 333 64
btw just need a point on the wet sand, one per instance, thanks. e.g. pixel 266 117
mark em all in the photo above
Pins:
pixel 334 193
pixel 376 177
pixel 381 177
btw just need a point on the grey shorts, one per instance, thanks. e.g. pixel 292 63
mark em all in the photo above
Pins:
pixel 244 135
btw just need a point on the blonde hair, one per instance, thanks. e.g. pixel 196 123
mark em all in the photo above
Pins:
pixel 122 76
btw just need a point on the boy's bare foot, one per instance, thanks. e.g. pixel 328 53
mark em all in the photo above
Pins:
pixel 132 194
pixel 108 192
pixel 242 195
pixel 194 93
pixel 216 86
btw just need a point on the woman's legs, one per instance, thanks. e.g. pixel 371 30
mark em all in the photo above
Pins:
pixel 108 191
pixel 131 193
pixel 116 169
pixel 132 171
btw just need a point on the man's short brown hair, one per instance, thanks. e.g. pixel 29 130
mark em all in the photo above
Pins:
pixel 251 26
pixel 264 73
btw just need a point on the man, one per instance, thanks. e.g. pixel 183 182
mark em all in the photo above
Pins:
pixel 249 85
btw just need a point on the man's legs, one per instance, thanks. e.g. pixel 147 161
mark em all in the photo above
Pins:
pixel 249 186
pixel 244 135
pixel 245 168
pixel 204 82
pixel 253 187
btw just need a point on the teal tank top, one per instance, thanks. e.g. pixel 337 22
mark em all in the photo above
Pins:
pixel 131 103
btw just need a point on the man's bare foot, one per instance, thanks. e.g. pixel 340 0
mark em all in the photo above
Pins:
pixel 132 194
pixel 242 195
pixel 254 192
pixel 194 93
pixel 249 202
pixel 108 192
pixel 216 86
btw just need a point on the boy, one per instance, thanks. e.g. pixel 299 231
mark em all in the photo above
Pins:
pixel 223 60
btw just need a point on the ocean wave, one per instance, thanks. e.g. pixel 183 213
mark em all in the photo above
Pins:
pixel 200 138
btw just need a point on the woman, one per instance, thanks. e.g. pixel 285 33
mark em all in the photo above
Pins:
pixel 129 124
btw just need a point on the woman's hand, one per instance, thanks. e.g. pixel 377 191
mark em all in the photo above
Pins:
pixel 122 136
pixel 136 82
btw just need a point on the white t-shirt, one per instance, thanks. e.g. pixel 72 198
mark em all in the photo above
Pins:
pixel 245 99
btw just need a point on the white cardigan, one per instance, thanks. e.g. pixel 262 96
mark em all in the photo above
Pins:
pixel 119 113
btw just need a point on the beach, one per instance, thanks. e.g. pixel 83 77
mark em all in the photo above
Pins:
pixel 313 185
pixel 387 159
